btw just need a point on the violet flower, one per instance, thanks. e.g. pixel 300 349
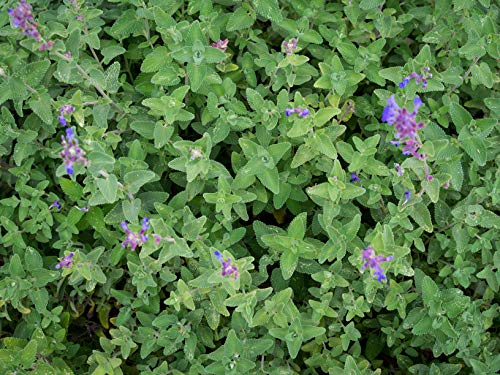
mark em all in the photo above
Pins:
pixel 398 168
pixel 22 17
pixel 135 239
pixel 227 268
pixel 354 178
pixel 373 262
pixel 56 204
pixel 65 109
pixel 405 124
pixel 195 153
pixel 221 44
pixel 45 46
pixel 290 46
pixel 66 261
pixel 418 78
pixel 302 112
pixel 407 195
pixel 72 153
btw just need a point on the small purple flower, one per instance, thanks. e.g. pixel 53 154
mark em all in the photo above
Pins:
pixel 289 111
pixel 72 153
pixel 221 44
pixel 354 178
pixel 373 262
pixel 195 153
pixel 429 177
pixel 227 268
pixel 66 261
pixel 418 78
pixel 66 109
pixel 407 195
pixel 136 239
pixel 290 46
pixel 304 113
pixel 83 209
pixel 62 120
pixel 46 46
pixel 56 204
pixel 398 168
pixel 22 17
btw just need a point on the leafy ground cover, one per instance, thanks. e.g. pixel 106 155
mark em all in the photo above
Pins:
pixel 256 186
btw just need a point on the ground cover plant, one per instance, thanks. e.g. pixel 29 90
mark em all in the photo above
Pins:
pixel 249 186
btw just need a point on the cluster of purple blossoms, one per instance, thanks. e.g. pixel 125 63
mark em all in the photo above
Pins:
pixel 221 44
pixel 66 261
pixel 72 153
pixel 138 239
pixel 302 112
pixel 405 124
pixel 290 46
pixel 227 268
pixel 418 78
pixel 135 239
pixel 22 17
pixel 65 109
pixel 373 262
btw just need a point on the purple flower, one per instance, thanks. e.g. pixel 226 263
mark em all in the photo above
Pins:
pixel 66 109
pixel 22 17
pixel 56 204
pixel 429 177
pixel 66 261
pixel 418 78
pixel 405 124
pixel 354 178
pixel 227 268
pixel 304 113
pixel 407 195
pixel 62 120
pixel 45 46
pixel 373 262
pixel 221 44
pixel 290 46
pixel 195 153
pixel 398 168
pixel 72 153
pixel 136 239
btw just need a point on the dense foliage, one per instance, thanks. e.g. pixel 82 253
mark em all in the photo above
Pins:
pixel 249 186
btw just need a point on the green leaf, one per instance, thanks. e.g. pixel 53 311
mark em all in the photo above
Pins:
pixel 430 290
pixel 111 52
pixel 268 9
pixel 71 188
pixel 297 228
pixel 239 20
pixel 420 213
pixel 288 263
pixel 370 4
pixel 475 147
pixel 270 179
pixel 459 116
pixel 134 180
pixel 108 187
pixel 196 75
pixel 42 107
